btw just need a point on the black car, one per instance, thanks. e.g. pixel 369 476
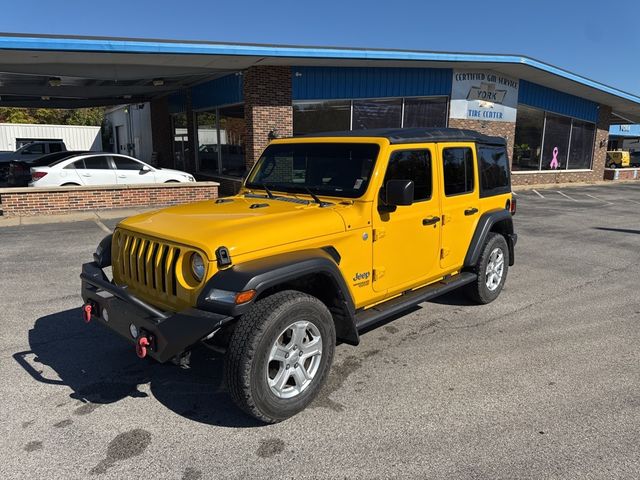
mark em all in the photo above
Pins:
pixel 20 170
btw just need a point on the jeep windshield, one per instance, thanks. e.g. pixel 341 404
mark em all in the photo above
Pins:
pixel 331 169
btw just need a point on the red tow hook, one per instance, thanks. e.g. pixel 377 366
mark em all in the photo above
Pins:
pixel 86 312
pixel 141 346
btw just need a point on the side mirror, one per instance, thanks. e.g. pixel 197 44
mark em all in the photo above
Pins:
pixel 399 192
pixel 145 169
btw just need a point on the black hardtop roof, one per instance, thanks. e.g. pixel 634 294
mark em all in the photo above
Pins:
pixel 417 135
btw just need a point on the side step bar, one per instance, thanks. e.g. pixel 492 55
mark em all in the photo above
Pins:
pixel 373 315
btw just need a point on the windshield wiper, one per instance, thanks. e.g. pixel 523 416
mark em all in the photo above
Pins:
pixel 315 197
pixel 266 189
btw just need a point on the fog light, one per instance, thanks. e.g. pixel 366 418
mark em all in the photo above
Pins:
pixel 105 315
pixel 133 330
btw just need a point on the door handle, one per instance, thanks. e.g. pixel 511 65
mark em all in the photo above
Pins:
pixel 122 176
pixel 430 221
pixel 86 174
pixel 471 211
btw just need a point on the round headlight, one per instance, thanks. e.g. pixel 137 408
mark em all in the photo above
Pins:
pixel 197 266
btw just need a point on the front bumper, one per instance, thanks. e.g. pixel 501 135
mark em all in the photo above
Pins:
pixel 168 334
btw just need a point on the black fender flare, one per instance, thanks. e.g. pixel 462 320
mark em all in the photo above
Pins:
pixel 265 273
pixel 499 221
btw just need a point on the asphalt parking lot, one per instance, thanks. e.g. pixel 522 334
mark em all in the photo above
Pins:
pixel 543 383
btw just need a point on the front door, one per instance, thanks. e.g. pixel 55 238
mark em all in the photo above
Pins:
pixel 460 202
pixel 130 171
pixel 406 242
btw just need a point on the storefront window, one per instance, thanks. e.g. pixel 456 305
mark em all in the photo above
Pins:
pixel 315 117
pixel 425 112
pixel 528 139
pixel 207 142
pixel 556 142
pixel 232 128
pixel 383 113
pixel 564 138
pixel 340 115
pixel 582 141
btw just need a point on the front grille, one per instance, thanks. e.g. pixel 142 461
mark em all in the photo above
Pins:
pixel 147 264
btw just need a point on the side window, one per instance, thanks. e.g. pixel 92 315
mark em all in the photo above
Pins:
pixel 411 165
pixel 97 163
pixel 493 166
pixel 124 163
pixel 37 149
pixel 55 147
pixel 78 165
pixel 458 171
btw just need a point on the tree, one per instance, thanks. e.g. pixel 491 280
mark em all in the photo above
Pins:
pixel 81 116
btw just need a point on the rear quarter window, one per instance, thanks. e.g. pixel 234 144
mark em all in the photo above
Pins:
pixel 493 167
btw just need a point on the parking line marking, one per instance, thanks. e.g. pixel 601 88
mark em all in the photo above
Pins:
pixel 102 226
pixel 514 194
pixel 606 202
pixel 566 196
pixel 632 201
pixel 537 193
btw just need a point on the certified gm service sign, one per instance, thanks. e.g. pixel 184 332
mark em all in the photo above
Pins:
pixel 483 95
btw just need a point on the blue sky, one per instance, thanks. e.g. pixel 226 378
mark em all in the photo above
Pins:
pixel 597 39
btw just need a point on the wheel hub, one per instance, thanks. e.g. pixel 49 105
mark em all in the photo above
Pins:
pixel 495 269
pixel 294 359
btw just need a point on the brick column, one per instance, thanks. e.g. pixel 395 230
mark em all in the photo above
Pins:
pixel 161 132
pixel 267 107
pixel 602 140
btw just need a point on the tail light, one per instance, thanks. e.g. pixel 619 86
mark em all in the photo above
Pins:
pixel 38 175
pixel 512 206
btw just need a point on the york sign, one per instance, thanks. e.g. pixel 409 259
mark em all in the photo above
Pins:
pixel 483 95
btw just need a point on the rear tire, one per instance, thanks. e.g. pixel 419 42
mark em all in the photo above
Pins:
pixel 492 269
pixel 279 355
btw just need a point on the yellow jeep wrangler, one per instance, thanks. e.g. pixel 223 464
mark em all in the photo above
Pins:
pixel 330 235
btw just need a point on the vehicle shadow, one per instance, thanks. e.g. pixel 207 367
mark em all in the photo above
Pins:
pixel 619 230
pixel 102 368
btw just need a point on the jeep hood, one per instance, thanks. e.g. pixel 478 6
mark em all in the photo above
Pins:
pixel 243 225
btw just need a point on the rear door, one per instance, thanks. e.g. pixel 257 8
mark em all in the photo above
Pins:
pixel 460 201
pixel 129 171
pixel 96 170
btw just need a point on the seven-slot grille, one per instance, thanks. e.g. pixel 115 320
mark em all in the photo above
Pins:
pixel 147 264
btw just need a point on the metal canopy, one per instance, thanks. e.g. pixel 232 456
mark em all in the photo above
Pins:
pixel 70 72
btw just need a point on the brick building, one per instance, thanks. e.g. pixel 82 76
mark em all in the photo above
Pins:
pixel 214 107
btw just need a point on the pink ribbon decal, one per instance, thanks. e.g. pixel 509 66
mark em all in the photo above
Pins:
pixel 554 161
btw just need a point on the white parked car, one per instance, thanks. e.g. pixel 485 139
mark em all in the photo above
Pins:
pixel 103 169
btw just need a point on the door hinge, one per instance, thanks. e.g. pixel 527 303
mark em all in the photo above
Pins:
pixel 378 273
pixel 444 252
pixel 378 233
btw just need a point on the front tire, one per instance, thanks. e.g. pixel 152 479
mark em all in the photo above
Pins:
pixel 279 355
pixel 492 269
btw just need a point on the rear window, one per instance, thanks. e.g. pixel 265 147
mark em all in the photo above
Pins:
pixel 493 166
